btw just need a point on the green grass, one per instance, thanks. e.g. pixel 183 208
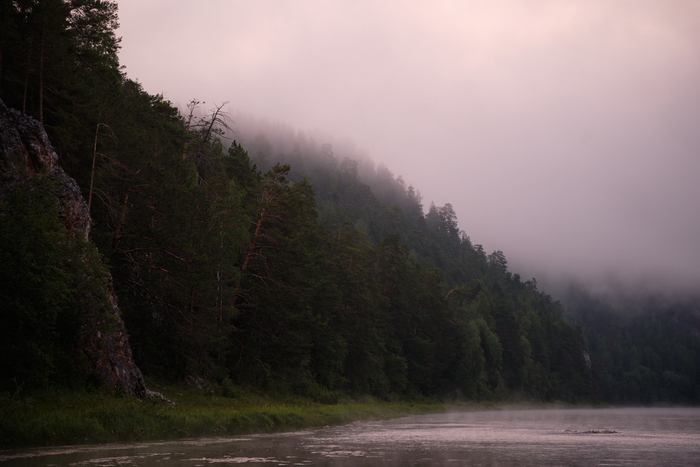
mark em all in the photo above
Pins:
pixel 62 416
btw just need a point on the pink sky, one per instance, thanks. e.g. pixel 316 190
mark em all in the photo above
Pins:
pixel 565 133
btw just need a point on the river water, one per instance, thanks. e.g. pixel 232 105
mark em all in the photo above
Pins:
pixel 585 437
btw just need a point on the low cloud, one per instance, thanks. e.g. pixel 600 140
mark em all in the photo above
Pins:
pixel 563 133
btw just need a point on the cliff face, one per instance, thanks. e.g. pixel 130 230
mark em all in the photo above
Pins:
pixel 26 152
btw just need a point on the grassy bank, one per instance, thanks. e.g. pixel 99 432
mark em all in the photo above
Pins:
pixel 70 417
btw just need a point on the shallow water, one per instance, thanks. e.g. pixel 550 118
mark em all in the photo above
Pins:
pixel 595 437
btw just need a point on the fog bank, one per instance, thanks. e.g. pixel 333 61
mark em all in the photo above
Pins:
pixel 563 133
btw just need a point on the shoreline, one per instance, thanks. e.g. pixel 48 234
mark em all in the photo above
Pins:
pixel 63 417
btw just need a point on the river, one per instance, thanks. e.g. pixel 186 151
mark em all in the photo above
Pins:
pixel 585 437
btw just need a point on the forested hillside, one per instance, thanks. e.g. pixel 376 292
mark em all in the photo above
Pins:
pixel 644 348
pixel 288 269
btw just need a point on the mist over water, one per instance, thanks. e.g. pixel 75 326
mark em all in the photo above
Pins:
pixel 506 438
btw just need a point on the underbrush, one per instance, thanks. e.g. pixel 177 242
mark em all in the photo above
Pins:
pixel 62 416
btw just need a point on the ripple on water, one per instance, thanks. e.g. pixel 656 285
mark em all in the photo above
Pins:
pixel 535 437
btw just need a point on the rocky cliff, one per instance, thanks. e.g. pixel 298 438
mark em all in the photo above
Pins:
pixel 26 152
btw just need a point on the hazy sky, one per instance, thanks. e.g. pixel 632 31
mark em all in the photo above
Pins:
pixel 564 133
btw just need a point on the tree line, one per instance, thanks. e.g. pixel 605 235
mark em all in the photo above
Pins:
pixel 286 270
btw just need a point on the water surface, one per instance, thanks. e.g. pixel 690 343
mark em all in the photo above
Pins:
pixel 595 437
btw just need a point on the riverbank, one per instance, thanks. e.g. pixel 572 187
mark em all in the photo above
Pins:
pixel 60 416
pixel 572 436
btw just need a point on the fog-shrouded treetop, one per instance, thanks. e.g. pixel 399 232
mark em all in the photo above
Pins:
pixel 563 133
pixel 253 252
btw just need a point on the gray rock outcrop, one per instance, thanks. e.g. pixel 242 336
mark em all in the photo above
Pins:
pixel 26 152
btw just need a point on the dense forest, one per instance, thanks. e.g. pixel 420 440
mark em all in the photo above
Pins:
pixel 644 347
pixel 256 256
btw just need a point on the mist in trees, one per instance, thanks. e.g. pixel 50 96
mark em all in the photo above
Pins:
pixel 245 252
pixel 643 347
